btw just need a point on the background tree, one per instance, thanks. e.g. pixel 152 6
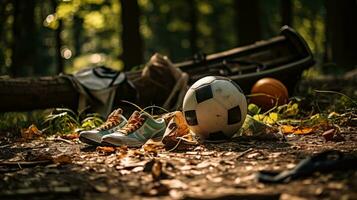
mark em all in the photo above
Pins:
pixel 341 32
pixel 286 9
pixel 47 38
pixel 58 39
pixel 248 21
pixel 192 7
pixel 24 43
pixel 131 38
pixel 3 25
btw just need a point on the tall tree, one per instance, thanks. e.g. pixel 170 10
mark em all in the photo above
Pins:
pixel 23 45
pixel 192 4
pixel 59 59
pixel 58 39
pixel 133 52
pixel 341 32
pixel 248 21
pixel 286 11
pixel 3 19
pixel 77 34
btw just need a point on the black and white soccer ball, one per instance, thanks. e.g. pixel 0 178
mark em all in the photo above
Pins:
pixel 215 108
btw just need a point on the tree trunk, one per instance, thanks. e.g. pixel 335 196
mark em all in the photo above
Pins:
pixel 342 31
pixel 3 17
pixel 58 39
pixel 248 21
pixel 286 10
pixel 193 23
pixel 60 65
pixel 77 34
pixel 24 43
pixel 3 46
pixel 131 39
pixel 37 93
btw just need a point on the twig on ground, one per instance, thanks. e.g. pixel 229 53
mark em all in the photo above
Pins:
pixel 60 139
pixel 244 153
pixel 25 163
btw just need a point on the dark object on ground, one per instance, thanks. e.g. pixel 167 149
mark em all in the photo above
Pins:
pixel 323 162
pixel 283 57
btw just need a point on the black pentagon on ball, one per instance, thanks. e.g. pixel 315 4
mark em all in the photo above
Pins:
pixel 219 135
pixel 237 86
pixel 234 115
pixel 203 93
pixel 191 117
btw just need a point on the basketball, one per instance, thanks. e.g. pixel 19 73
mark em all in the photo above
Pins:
pixel 268 92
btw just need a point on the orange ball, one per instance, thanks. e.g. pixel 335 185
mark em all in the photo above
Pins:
pixel 271 90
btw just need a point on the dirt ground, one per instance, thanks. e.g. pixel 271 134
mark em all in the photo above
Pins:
pixel 56 168
pixel 68 169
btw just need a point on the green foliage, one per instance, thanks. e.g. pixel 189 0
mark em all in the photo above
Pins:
pixel 309 21
pixel 332 101
pixel 63 121
pixel 91 121
pixel 15 121
pixel 59 120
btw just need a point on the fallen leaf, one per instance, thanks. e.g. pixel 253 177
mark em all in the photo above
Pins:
pixel 105 150
pixel 174 184
pixel 156 170
pixel 31 132
pixel 157 189
pixel 270 119
pixel 62 159
pixel 152 146
pixel 288 129
pixel 70 136
pixel 101 188
pixel 177 134
pixel 328 135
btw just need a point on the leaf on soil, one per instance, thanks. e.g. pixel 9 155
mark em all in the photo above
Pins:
pixel 157 189
pixel 328 135
pixel 177 134
pixel 156 168
pixel 174 184
pixel 252 127
pixel 291 110
pixel 105 150
pixel 122 152
pixel 70 136
pixel 152 146
pixel 270 119
pixel 62 159
pixel 288 129
pixel 31 132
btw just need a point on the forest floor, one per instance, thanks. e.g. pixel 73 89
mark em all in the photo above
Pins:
pixel 57 168
pixel 68 169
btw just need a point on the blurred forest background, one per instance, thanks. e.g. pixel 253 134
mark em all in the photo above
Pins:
pixel 47 37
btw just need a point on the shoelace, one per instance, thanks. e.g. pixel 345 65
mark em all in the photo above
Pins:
pixel 134 122
pixel 113 120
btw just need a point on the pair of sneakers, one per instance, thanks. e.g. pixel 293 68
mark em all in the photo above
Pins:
pixel 117 131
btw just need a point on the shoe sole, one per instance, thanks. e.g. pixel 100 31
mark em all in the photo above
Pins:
pixel 106 144
pixel 88 141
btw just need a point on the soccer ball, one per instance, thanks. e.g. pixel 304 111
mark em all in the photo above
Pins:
pixel 214 108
